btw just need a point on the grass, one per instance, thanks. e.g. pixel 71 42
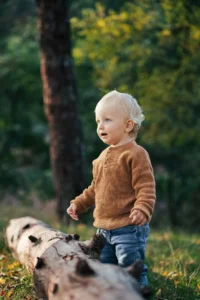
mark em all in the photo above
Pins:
pixel 174 263
pixel 173 260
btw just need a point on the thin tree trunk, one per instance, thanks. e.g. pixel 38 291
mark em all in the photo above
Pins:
pixel 60 101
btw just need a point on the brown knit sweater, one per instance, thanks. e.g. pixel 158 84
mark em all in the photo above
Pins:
pixel 123 180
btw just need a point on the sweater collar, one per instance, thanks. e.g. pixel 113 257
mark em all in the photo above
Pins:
pixel 124 146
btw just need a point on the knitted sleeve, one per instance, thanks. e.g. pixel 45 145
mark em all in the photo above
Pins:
pixel 87 198
pixel 143 183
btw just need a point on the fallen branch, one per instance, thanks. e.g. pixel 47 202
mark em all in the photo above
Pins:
pixel 65 268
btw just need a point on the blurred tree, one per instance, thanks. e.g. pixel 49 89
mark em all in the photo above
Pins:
pixel 23 129
pixel 60 100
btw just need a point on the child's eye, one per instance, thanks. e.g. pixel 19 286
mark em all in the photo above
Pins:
pixel 107 120
pixel 97 121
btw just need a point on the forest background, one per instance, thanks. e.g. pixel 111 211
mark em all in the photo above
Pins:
pixel 149 49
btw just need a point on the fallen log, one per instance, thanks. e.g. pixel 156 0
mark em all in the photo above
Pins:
pixel 65 268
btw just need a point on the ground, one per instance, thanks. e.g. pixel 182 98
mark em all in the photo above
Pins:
pixel 173 259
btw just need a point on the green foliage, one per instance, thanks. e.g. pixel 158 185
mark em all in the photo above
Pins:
pixel 146 48
pixel 153 55
pixel 13 15
pixel 23 128
pixel 172 259
pixel 150 50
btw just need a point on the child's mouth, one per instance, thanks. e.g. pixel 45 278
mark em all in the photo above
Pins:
pixel 103 135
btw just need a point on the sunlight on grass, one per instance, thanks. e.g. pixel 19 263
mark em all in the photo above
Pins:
pixel 174 262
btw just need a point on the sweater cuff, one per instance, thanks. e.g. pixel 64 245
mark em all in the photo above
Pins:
pixel 79 206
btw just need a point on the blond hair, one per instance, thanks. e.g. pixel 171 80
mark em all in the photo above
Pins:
pixel 129 106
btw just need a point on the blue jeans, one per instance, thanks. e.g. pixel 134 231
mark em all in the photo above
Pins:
pixel 125 246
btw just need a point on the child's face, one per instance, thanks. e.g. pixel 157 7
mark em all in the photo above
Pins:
pixel 111 124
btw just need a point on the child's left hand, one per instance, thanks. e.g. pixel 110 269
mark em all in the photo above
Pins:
pixel 138 217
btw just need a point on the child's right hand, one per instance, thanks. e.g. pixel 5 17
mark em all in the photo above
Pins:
pixel 72 211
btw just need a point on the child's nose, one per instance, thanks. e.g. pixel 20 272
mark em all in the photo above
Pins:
pixel 101 126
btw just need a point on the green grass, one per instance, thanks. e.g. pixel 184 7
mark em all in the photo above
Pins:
pixel 174 263
pixel 173 260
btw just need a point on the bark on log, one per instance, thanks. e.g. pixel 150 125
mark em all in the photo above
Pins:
pixel 64 268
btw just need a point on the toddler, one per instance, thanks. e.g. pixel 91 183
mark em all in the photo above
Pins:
pixel 123 186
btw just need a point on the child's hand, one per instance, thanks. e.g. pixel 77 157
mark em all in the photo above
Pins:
pixel 138 217
pixel 72 211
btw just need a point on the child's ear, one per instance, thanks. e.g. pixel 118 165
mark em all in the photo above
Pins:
pixel 129 125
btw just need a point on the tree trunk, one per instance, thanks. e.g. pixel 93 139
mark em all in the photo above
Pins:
pixel 64 268
pixel 60 101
